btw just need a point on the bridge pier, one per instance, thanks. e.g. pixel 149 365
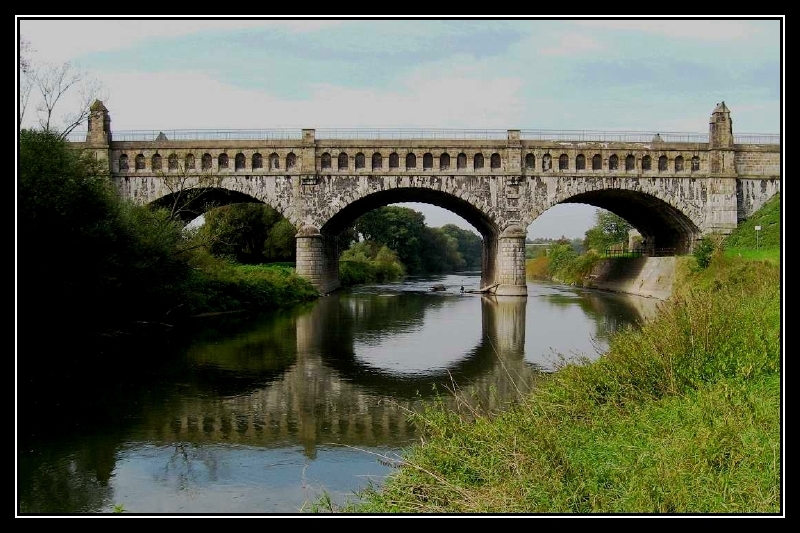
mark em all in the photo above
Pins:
pixel 317 259
pixel 510 263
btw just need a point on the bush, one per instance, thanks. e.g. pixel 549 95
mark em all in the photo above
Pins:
pixel 704 251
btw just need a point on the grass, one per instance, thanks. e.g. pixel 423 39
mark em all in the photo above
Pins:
pixel 772 255
pixel 682 416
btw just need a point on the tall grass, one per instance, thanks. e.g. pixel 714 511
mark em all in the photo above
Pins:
pixel 679 417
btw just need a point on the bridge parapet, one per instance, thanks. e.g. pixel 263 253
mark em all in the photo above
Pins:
pixel 423 134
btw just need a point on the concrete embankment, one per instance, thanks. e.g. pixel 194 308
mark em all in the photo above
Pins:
pixel 644 276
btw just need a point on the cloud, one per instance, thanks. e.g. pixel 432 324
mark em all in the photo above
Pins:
pixel 194 101
pixel 570 44
pixel 700 30
pixel 67 39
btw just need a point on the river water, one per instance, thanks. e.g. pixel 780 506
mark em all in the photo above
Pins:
pixel 269 414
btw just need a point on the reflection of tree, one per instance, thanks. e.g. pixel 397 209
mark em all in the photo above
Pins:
pixel 54 481
pixel 610 312
pixel 189 466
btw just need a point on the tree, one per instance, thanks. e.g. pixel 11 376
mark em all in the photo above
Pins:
pixel 99 260
pixel 190 195
pixel 25 80
pixel 440 252
pixel 52 83
pixel 249 233
pixel 610 229
pixel 399 228
pixel 470 245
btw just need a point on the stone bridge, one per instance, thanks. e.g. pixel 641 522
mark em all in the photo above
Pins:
pixel 673 188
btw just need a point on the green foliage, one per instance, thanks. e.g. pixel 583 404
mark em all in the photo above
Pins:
pixel 419 248
pixel 682 416
pixel 610 229
pixel 220 286
pixel 769 218
pixel 105 264
pixel 440 252
pixel 470 245
pixel 399 228
pixel 249 233
pixel 367 262
pixel 99 260
pixel 560 256
pixel 704 250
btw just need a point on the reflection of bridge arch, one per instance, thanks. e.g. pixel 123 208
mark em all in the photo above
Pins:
pixel 320 397
pixel 673 188
pixel 501 346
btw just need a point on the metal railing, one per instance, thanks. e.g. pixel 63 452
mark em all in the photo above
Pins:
pixel 422 134
pixel 611 136
pixel 640 252
pixel 413 133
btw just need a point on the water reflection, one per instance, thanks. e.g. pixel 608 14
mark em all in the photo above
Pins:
pixel 249 414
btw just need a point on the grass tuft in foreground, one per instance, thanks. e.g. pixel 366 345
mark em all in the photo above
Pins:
pixel 682 416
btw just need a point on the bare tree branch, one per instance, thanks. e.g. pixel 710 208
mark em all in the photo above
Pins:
pixel 25 80
pixel 53 83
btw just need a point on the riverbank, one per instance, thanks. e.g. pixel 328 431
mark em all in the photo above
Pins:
pixel 652 277
pixel 680 417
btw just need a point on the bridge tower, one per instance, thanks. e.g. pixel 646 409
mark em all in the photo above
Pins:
pixel 98 138
pixel 99 124
pixel 722 218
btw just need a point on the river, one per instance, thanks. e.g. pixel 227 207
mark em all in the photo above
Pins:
pixel 268 414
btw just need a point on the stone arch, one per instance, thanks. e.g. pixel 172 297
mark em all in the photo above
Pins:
pixel 411 161
pixel 257 161
pixel 597 162
pixel 172 162
pixel 123 163
pixel 662 163
pixel 338 215
pixel 291 160
pixel 155 161
pixel 343 161
pixel 360 161
pixel 377 161
pixel 647 163
pixel 205 162
pixel 427 161
pixel 394 160
pixel 613 162
pixel 274 161
pixel 222 160
pixel 461 161
pixel 695 164
pixel 188 162
pixel 477 161
pixel 664 220
pixel 630 162
pixel 679 164
pixel 563 162
pixel 239 161
pixel 580 162
pixel 444 161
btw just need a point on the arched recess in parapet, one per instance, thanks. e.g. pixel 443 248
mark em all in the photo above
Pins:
pixel 662 225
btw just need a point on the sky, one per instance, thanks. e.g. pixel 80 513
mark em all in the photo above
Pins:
pixel 568 73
